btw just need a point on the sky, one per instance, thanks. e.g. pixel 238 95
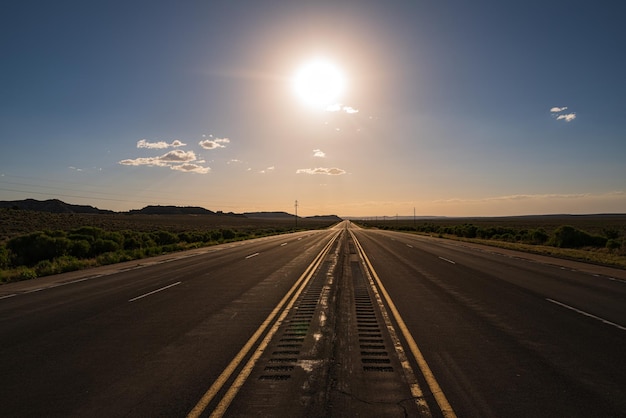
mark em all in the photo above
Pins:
pixel 447 108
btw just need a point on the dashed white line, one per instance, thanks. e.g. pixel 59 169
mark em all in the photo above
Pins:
pixel 409 245
pixel 587 314
pixel 449 261
pixel 283 244
pixel 252 255
pixel 8 296
pixel 154 291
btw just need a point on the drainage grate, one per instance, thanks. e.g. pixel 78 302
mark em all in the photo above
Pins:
pixel 374 355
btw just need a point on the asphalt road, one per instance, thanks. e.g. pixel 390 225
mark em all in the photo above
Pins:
pixel 501 333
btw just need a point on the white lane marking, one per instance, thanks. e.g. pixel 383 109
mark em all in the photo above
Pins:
pixel 252 255
pixel 8 296
pixel 409 245
pixel 283 244
pixel 301 238
pixel 587 314
pixel 449 261
pixel 154 291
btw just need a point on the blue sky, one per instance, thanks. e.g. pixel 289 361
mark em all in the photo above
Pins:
pixel 455 108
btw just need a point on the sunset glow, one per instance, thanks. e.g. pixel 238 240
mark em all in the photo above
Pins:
pixel 319 83
pixel 353 108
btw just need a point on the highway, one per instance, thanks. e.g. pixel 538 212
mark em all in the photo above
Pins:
pixel 340 322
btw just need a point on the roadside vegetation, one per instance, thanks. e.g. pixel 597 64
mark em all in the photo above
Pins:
pixel 37 244
pixel 599 239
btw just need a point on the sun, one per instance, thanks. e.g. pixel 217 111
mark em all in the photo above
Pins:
pixel 319 83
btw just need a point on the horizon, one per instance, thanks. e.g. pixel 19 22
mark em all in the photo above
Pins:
pixel 344 217
pixel 351 107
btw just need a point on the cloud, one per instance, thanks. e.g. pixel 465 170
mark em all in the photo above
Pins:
pixel 322 170
pixel 517 197
pixel 191 168
pixel 567 117
pixel 319 153
pixel 178 156
pixel 159 145
pixel 173 160
pixel 268 170
pixel 214 143
pixel 339 107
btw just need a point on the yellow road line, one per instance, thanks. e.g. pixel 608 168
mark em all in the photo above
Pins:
pixel 440 397
pixel 236 361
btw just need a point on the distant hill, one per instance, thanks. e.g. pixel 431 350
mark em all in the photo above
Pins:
pixel 331 218
pixel 285 215
pixel 268 215
pixel 51 205
pixel 58 206
pixel 180 210
pixel 172 210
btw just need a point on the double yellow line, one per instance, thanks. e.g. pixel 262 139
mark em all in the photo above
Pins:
pixel 435 389
pixel 282 308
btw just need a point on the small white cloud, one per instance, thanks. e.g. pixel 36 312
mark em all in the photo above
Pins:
pixel 558 109
pixel 319 153
pixel 322 170
pixel 214 143
pixel 178 156
pixel 159 145
pixel 234 161
pixel 75 168
pixel 191 168
pixel 339 107
pixel 567 117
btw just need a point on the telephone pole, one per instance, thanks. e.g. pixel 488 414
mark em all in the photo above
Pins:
pixel 296 206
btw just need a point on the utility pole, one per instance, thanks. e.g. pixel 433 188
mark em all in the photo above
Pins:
pixel 296 206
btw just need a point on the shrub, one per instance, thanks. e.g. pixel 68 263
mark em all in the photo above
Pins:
pixel 538 236
pixel 80 248
pixel 32 248
pixel 104 246
pixel 164 238
pixel 570 237
pixel 613 244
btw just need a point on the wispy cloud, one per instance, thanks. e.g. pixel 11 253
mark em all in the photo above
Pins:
pixel 322 170
pixel 567 117
pixel 519 197
pixel 191 168
pixel 159 145
pixel 214 143
pixel 337 107
pixel 319 153
pixel 268 170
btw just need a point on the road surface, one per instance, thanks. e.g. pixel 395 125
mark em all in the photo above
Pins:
pixel 340 322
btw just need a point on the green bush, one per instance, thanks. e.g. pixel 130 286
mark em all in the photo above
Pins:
pixel 569 237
